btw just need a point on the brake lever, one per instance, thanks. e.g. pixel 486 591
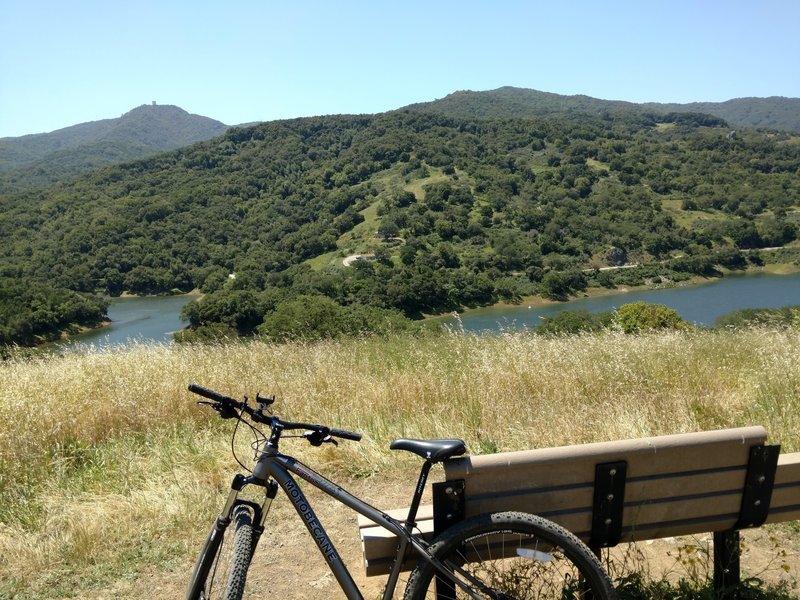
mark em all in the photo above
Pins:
pixel 317 438
pixel 224 411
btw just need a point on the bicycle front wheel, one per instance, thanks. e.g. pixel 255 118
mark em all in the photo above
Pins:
pixel 221 570
pixel 512 556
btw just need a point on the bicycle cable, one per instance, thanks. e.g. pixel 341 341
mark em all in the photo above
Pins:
pixel 258 435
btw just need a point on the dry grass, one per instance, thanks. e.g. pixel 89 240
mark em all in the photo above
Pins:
pixel 105 458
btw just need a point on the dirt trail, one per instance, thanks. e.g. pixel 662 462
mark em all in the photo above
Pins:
pixel 288 564
pixel 349 260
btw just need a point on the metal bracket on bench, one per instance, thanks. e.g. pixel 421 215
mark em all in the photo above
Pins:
pixel 758 485
pixel 448 504
pixel 756 498
pixel 609 500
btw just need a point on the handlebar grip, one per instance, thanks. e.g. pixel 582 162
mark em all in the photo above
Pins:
pixel 212 395
pixel 346 435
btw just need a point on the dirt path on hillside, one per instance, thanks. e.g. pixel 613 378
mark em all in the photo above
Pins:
pixel 349 260
pixel 288 565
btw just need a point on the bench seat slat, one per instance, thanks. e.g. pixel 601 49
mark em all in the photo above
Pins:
pixel 381 566
pixel 785 505
pixel 379 543
pixel 424 513
pixel 788 469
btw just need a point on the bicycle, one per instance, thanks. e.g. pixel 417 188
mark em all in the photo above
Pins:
pixel 499 556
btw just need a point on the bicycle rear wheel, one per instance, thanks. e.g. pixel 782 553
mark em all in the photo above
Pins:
pixel 512 555
pixel 221 570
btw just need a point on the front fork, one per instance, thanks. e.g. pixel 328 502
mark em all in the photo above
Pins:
pixel 214 540
pixel 238 484
pixel 260 512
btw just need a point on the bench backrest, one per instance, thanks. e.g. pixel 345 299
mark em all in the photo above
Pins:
pixel 668 482
pixel 662 486
pixel 785 505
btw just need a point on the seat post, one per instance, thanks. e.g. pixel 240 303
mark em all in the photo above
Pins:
pixel 402 547
pixel 412 510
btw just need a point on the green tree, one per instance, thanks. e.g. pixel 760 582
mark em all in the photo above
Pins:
pixel 638 317
pixel 319 317
pixel 577 321
pixel 788 316
pixel 388 229
pixel 241 310
pixel 558 285
pixel 31 313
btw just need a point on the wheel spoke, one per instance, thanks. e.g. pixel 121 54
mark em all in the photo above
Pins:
pixel 515 556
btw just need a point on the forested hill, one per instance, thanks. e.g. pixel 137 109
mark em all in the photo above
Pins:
pixel 149 129
pixel 775 113
pixel 453 211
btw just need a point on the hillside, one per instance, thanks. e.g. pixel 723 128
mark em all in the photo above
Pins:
pixel 40 159
pixel 455 212
pixel 776 113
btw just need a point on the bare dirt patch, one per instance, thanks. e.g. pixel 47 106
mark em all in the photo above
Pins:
pixel 287 563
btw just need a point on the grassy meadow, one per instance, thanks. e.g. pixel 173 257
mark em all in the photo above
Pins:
pixel 108 468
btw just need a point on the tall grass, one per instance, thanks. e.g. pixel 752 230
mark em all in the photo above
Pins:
pixel 104 455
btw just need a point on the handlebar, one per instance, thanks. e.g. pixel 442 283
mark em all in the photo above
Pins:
pixel 219 401
pixel 230 408
pixel 345 435
pixel 212 395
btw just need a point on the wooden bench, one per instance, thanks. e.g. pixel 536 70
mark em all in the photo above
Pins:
pixel 623 491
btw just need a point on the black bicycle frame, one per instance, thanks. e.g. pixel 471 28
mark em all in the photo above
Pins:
pixel 272 466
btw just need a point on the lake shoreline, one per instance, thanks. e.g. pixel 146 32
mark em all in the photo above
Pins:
pixel 143 317
pixel 501 310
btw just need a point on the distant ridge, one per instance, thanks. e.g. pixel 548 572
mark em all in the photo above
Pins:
pixel 775 112
pixel 771 113
pixel 456 212
pixel 44 158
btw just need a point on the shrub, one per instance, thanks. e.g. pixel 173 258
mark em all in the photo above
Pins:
pixel 207 334
pixel 319 317
pixel 642 316
pixel 240 310
pixel 577 321
pixel 788 316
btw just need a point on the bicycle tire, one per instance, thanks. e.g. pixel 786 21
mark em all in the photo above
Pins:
pixel 221 570
pixel 515 556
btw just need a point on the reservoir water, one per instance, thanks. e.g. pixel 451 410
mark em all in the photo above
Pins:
pixel 144 319
pixel 151 319
pixel 699 304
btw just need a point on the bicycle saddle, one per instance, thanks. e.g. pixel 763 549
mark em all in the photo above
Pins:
pixel 433 450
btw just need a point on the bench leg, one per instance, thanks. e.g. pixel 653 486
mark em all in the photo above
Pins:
pixel 726 564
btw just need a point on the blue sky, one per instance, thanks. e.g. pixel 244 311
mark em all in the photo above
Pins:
pixel 70 61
